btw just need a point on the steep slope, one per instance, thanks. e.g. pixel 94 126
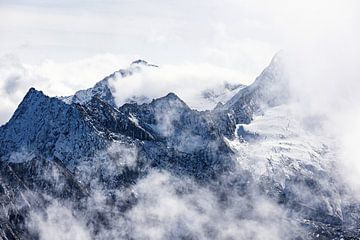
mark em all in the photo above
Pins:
pixel 48 127
pixel 216 168
pixel 167 131
pixel 184 140
pixel 292 165
pixel 53 151
pixel 269 89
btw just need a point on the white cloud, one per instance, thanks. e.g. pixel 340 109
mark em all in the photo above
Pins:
pixel 62 79
pixel 166 207
pixel 324 69
pixel 188 81
pixel 163 213
pixel 59 223
pixel 54 78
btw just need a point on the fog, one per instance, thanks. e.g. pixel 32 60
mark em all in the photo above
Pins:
pixel 166 208
pixel 204 45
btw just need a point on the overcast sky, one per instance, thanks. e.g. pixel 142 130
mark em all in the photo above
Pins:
pixel 68 45
pixel 230 33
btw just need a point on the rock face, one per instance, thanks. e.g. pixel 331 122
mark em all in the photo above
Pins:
pixel 59 149
pixel 48 127
pixel 269 89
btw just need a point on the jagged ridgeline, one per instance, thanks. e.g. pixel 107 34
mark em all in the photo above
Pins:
pixel 65 150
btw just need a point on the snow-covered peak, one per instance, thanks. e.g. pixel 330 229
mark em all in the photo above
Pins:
pixel 103 89
pixel 141 62
pixel 272 80
pixel 32 99
pixel 270 88
pixel 170 98
pixel 48 127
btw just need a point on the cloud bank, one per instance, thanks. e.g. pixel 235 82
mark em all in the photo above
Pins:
pixel 189 81
pixel 166 207
pixel 54 78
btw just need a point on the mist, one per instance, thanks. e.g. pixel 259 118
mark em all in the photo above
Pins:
pixel 324 77
pixel 197 50
pixel 166 207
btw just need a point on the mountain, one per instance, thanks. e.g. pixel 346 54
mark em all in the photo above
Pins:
pixel 161 165
pixel 48 127
pixel 103 89
pixel 268 90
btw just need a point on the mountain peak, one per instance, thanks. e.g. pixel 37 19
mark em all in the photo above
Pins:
pixel 31 97
pixel 103 89
pixel 33 91
pixel 142 63
pixel 172 97
pixel 278 56
pixel 269 89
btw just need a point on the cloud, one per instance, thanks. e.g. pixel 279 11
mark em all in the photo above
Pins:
pixel 164 212
pixel 158 32
pixel 188 81
pixel 116 159
pixel 54 78
pixel 323 65
pixel 58 223
pixel 158 205
pixel 61 79
pixel 165 207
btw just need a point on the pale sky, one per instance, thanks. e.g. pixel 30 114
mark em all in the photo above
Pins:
pixel 69 45
pixel 226 33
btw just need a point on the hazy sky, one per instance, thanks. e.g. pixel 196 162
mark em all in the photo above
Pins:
pixel 228 33
pixel 69 45
pixel 240 34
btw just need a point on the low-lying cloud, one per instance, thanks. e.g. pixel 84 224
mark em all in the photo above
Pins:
pixel 58 223
pixel 166 207
pixel 188 81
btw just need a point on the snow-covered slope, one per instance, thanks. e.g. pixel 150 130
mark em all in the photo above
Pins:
pixel 85 150
pixel 269 89
pixel 291 163
pixel 48 127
